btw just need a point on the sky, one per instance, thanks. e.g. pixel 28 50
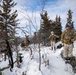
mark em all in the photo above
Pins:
pixel 31 9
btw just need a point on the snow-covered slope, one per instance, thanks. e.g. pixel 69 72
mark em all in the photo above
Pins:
pixel 30 66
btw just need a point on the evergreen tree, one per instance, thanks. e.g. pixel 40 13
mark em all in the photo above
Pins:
pixel 69 19
pixel 56 26
pixel 45 28
pixel 8 20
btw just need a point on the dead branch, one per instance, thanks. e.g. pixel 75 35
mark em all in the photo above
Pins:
pixel 4 68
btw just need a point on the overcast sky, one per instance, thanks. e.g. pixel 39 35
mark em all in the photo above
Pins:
pixel 32 9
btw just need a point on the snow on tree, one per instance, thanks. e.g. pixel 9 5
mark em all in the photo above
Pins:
pixel 8 18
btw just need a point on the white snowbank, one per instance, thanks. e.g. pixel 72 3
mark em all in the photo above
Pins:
pixel 30 66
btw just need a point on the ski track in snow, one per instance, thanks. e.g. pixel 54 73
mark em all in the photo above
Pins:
pixel 56 66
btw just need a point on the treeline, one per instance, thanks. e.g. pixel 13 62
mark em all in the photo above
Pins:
pixel 9 23
pixel 47 25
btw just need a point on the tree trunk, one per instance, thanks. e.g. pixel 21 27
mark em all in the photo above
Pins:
pixel 39 58
pixel 5 56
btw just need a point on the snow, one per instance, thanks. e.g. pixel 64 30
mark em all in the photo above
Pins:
pixel 30 64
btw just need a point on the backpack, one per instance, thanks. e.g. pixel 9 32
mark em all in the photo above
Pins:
pixel 59 46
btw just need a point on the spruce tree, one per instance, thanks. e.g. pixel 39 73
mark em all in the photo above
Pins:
pixel 8 18
pixel 56 26
pixel 45 28
pixel 69 19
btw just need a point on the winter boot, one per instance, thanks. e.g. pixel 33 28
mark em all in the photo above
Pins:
pixel 51 48
pixel 54 49
pixel 74 69
pixel 67 60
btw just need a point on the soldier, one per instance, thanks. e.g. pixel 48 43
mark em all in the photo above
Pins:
pixel 67 38
pixel 26 41
pixel 52 38
pixel 22 44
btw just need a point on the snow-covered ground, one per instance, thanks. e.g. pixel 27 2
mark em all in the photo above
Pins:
pixel 30 66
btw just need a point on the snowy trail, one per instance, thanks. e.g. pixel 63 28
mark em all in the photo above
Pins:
pixel 56 66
